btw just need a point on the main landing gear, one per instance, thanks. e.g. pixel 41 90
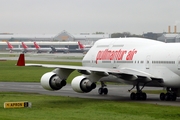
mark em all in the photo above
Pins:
pixel 103 89
pixel 139 95
pixel 169 96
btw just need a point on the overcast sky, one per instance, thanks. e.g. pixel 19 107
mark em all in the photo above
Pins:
pixel 75 16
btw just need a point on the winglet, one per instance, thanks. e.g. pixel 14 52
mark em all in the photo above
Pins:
pixel 21 60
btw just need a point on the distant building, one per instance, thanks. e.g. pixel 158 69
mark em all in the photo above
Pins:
pixel 177 39
pixel 168 38
pixel 26 37
pixel 83 37
pixel 63 36
pixel 151 35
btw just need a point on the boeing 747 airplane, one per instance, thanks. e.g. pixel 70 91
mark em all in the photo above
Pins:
pixel 136 61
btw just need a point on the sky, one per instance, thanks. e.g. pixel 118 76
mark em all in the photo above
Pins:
pixel 77 16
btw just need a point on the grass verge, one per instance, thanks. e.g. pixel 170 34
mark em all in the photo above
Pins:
pixel 12 73
pixel 45 107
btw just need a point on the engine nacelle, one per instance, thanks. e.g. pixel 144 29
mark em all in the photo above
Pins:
pixel 51 81
pixel 82 84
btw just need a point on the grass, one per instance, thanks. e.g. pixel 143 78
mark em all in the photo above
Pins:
pixel 154 91
pixel 12 73
pixel 45 107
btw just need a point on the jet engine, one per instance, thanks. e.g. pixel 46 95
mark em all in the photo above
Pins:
pixel 82 85
pixel 51 81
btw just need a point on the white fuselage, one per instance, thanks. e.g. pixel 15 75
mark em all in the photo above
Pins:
pixel 158 59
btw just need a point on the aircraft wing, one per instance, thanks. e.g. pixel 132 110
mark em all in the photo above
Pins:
pixel 126 74
pixel 123 73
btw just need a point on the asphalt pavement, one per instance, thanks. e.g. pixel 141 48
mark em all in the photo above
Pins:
pixel 116 92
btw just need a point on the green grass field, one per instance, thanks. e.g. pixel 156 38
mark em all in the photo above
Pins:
pixel 45 107
pixel 12 73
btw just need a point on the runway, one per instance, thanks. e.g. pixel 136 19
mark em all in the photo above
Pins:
pixel 116 92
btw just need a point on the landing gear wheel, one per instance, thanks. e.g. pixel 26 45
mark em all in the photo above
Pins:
pixel 100 91
pixel 167 96
pixel 105 90
pixel 162 96
pixel 137 97
pixel 133 96
pixel 174 97
pixel 144 96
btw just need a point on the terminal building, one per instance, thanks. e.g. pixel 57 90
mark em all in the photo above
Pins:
pixel 63 36
pixel 51 39
pixel 83 37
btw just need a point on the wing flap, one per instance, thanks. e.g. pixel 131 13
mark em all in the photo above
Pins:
pixel 159 80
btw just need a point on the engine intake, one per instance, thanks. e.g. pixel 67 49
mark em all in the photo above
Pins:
pixel 51 81
pixel 82 84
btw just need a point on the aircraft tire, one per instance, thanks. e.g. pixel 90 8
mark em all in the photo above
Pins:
pixel 138 96
pixel 167 96
pixel 133 96
pixel 105 91
pixel 162 96
pixel 174 97
pixel 144 96
pixel 100 91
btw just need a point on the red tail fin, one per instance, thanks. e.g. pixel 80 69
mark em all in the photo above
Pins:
pixel 36 45
pixel 21 60
pixel 9 45
pixel 24 46
pixel 81 46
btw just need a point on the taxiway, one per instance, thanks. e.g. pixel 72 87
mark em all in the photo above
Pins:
pixel 116 92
